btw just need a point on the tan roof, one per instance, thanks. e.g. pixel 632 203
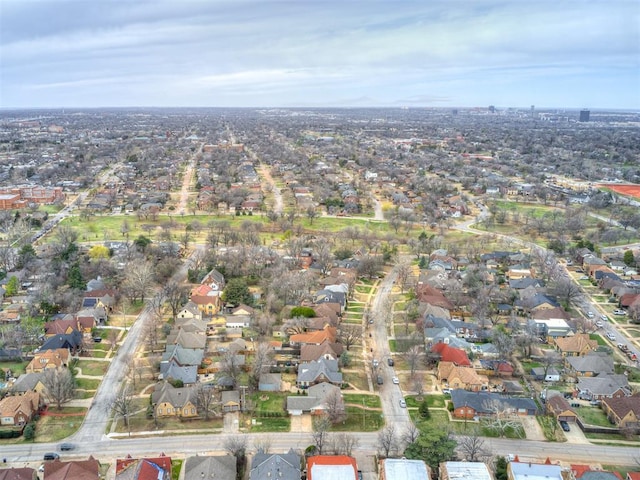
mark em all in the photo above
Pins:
pixel 27 403
pixel 49 359
pixel 577 343
pixel 327 334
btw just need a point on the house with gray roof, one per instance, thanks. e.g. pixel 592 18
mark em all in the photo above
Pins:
pixel 169 401
pixel 318 371
pixel 28 382
pixel 404 469
pixel 471 404
pixel 186 339
pixel 313 401
pixel 533 471
pixel 210 466
pixel 603 386
pixel 190 310
pixel 284 466
pixel 590 365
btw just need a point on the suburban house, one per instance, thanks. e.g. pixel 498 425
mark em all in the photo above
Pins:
pixel 318 371
pixel 464 471
pixel 624 411
pixel 169 401
pixel 550 328
pixel 461 377
pixel 450 354
pixel 189 340
pixel 528 471
pixel 285 466
pixel 71 341
pixel 577 345
pixel 559 407
pixel 130 468
pixel 179 363
pixel 18 473
pixel 403 469
pixel 206 298
pixel 603 386
pixel 551 374
pixel 49 359
pixel 327 334
pixel 28 382
pixel 214 280
pixel 332 467
pixel 61 326
pixel 210 466
pixel 314 401
pixel 484 404
pixel 311 351
pixel 230 400
pixel 104 298
pixel 18 410
pixel 190 310
pixel 590 365
pixel 75 470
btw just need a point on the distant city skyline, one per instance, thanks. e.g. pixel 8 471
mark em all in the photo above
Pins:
pixel 242 53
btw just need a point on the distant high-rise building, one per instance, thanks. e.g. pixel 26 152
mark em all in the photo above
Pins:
pixel 492 109
pixel 584 115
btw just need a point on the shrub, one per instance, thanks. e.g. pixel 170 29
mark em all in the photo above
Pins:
pixel 30 431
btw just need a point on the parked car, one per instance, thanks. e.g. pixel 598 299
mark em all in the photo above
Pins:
pixel 619 311
pixel 446 391
pixel 611 336
pixel 396 380
pixel 565 426
pixel 590 314
pixel 390 362
pixel 403 404
pixel 380 380
pixel 375 363
pixel 599 324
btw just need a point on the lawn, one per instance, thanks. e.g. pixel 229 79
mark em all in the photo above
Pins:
pixel 593 416
pixel 176 466
pixel 87 383
pixel 598 338
pixel 363 289
pixel 17 368
pixel 275 424
pixel 269 402
pixel 434 401
pixel 52 428
pixel 357 379
pixel 92 368
pixel 359 420
pixel 371 401
pixel 551 429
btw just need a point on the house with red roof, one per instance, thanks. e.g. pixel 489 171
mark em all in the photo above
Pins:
pixel 332 467
pixel 454 355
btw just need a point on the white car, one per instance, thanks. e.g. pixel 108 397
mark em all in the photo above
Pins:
pixel 611 336
pixel 619 312
pixel 590 314
pixel 599 324
pixel 395 380
pixel 403 404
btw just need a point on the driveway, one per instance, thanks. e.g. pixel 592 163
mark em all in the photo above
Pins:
pixel 301 423
pixel 532 428
pixel 231 422
pixel 576 435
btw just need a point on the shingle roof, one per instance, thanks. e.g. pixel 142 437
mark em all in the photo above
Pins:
pixel 76 470
pixel 218 466
pixel 277 466
pixel 311 371
pixel 481 402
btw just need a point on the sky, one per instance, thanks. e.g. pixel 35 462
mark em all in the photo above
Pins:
pixel 320 53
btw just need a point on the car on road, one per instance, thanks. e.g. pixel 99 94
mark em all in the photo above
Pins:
pixel 375 363
pixel 611 336
pixel 599 324
pixel 65 447
pixel 403 404
pixel 565 426
pixel 390 362
pixel 619 311
pixel 51 456
pixel 590 314
pixel 395 380
pixel 379 380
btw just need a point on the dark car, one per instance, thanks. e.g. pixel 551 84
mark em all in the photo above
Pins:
pixel 380 380
pixel 390 362
pixel 65 447
pixel 51 456
pixel 565 426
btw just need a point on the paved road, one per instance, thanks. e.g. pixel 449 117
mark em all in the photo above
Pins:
pixel 390 394
pixel 198 444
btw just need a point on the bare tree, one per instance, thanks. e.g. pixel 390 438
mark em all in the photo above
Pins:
pixel 404 271
pixel 112 338
pixel 320 433
pixel 502 419
pixel 230 366
pixel 413 357
pixel 349 334
pixel 410 434
pixel 139 278
pixel 262 444
pixel 123 405
pixel 387 441
pixel 566 290
pixel 175 294
pixel 261 359
pixel 345 443
pixel 334 407
pixel 418 384
pixel 59 384
pixel 205 400
pixel 473 448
